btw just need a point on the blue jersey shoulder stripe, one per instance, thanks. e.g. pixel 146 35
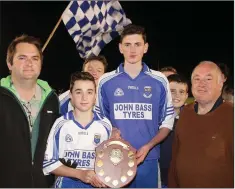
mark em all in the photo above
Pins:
pixel 162 78
pixel 56 134
pixel 107 125
pixel 55 129
pixel 105 122
pixel 158 76
pixel 47 163
pixel 106 77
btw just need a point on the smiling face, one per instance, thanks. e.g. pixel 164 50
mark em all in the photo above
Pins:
pixel 95 68
pixel 83 95
pixel 179 93
pixel 207 82
pixel 26 64
pixel 133 48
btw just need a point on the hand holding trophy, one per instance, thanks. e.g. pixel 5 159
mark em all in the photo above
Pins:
pixel 115 163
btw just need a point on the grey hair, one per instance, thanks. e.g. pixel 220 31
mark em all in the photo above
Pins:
pixel 220 75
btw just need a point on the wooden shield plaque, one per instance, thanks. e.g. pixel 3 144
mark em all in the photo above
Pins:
pixel 115 163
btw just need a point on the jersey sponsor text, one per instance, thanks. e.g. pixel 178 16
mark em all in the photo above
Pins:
pixel 133 111
pixel 83 158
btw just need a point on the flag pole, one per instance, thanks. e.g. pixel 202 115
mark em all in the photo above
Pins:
pixel 52 33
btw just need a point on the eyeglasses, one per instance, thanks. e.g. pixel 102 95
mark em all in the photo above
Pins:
pixel 27 107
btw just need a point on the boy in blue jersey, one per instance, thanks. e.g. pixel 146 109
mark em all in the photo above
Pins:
pixel 70 152
pixel 96 66
pixel 179 92
pixel 137 101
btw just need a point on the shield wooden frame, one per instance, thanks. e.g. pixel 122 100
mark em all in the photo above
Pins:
pixel 115 163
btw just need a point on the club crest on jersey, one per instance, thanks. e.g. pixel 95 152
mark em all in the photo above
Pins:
pixel 147 92
pixel 68 138
pixel 118 92
pixel 97 138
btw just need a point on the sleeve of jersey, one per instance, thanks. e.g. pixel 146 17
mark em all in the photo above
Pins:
pixel 51 158
pixel 64 101
pixel 108 127
pixel 102 101
pixel 167 119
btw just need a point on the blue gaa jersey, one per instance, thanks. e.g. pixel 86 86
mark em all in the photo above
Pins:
pixel 138 107
pixel 68 140
pixel 66 105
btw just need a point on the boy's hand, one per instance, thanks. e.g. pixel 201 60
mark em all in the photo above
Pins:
pixel 86 176
pixel 90 177
pixel 96 182
pixel 142 153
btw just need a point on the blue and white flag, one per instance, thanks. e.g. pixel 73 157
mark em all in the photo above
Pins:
pixel 93 24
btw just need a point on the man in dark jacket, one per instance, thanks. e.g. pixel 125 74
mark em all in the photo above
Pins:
pixel 28 109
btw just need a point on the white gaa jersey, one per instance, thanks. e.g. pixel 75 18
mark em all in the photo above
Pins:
pixel 69 140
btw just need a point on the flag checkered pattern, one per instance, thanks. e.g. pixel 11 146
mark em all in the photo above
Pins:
pixel 93 24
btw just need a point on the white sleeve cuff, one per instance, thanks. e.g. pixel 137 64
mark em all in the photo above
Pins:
pixel 167 126
pixel 47 170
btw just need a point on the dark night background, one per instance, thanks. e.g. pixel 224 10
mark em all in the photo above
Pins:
pixel 180 34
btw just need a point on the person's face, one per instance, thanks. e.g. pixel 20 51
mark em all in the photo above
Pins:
pixel 206 85
pixel 167 73
pixel 95 68
pixel 26 62
pixel 179 93
pixel 83 95
pixel 133 48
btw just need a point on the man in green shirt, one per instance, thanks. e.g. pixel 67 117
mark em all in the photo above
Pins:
pixel 28 109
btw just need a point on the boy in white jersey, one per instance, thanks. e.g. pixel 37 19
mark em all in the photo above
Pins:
pixel 96 66
pixel 70 152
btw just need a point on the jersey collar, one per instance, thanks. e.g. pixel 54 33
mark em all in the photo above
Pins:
pixel 71 117
pixel 120 68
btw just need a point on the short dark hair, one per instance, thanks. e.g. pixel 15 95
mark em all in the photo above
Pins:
pixel 133 29
pixel 178 79
pixel 168 69
pixel 11 50
pixel 98 58
pixel 78 76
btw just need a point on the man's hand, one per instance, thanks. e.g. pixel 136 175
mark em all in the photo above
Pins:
pixel 142 153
